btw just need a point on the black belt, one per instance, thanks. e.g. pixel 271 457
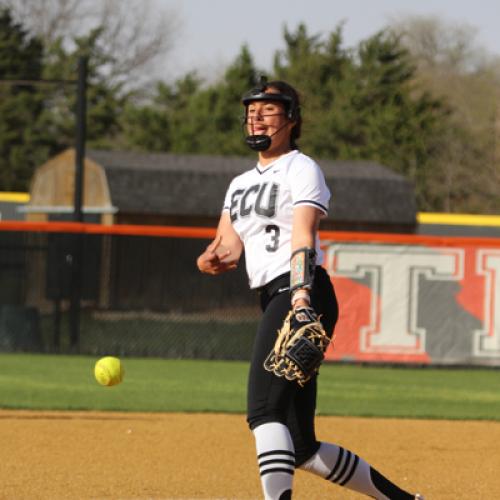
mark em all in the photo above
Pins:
pixel 279 284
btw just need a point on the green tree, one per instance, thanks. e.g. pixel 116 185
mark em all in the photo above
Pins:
pixel 216 112
pixel 400 121
pixel 188 117
pixel 364 103
pixel 163 122
pixel 322 71
pixel 453 66
pixel 144 126
pixel 38 121
pixel 24 140
pixel 105 98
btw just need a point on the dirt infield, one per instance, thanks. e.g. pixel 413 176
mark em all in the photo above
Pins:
pixel 131 456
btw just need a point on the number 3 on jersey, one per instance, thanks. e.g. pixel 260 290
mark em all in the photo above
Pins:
pixel 274 242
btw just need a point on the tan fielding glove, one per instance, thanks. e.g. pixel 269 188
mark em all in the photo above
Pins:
pixel 300 346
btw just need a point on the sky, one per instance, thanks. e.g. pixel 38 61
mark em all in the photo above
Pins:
pixel 211 32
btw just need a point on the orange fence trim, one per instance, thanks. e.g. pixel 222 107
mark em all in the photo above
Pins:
pixel 121 229
pixel 408 239
pixel 209 233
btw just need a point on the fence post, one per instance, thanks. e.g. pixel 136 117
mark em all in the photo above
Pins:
pixel 77 263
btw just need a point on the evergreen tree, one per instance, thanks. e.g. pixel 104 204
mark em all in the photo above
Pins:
pixel 186 114
pixel 37 121
pixel 222 115
pixel 145 126
pixel 363 104
pixel 321 72
pixel 399 121
pixel 24 141
pixel 105 98
pixel 187 117
pixel 210 120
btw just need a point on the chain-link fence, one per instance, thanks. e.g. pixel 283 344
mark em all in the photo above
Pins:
pixel 120 293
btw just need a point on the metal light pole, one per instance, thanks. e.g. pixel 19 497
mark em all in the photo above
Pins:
pixel 77 262
pixel 81 132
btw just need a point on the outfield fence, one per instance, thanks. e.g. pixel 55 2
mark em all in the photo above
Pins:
pixel 135 291
pixel 138 293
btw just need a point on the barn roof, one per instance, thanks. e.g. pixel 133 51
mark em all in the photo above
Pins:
pixel 164 183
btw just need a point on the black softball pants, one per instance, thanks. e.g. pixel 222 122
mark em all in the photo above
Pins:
pixel 275 399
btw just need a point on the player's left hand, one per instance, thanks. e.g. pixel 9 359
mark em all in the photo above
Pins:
pixel 300 346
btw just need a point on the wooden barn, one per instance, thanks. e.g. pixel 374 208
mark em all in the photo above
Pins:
pixel 188 190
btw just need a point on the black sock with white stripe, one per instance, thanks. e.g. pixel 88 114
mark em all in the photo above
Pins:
pixel 345 468
pixel 276 457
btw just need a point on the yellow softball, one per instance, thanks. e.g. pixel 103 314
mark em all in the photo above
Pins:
pixel 108 371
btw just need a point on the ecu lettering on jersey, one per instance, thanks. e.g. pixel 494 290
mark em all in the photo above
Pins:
pixel 257 198
pixel 260 203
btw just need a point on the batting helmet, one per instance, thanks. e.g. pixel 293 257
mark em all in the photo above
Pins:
pixel 286 95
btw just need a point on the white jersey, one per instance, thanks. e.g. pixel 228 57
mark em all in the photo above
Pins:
pixel 261 201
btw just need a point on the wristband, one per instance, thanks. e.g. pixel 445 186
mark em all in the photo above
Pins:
pixel 301 294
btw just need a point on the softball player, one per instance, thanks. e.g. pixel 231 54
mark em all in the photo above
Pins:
pixel 272 212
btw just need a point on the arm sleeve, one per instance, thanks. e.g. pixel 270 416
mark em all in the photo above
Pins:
pixel 308 185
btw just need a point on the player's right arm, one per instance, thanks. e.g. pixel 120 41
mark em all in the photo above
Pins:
pixel 225 250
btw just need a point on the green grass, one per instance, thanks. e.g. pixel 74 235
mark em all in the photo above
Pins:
pixel 67 383
pixel 410 392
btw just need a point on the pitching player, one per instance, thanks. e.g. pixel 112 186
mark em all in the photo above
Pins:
pixel 272 212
